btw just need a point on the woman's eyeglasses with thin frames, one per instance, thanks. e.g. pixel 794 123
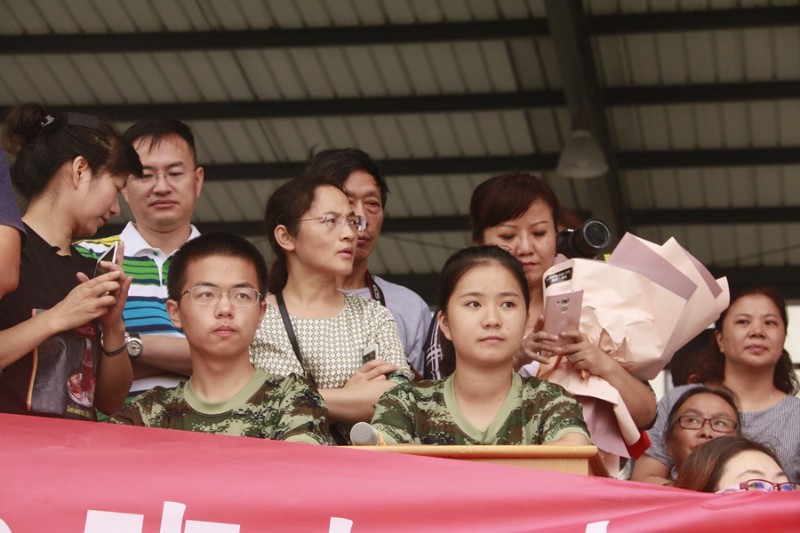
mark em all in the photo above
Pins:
pixel 357 222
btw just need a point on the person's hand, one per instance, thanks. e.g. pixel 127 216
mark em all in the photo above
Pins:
pixel 375 370
pixel 585 356
pixel 113 314
pixel 537 346
pixel 87 301
pixel 371 379
pixel 355 402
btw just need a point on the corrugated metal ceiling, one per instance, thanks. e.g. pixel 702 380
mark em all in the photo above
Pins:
pixel 699 98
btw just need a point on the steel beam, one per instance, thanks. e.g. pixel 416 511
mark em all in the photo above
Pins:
pixel 93 43
pixel 451 103
pixel 535 162
pixel 718 216
pixel 633 23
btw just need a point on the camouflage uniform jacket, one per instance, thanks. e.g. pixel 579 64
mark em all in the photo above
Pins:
pixel 268 407
pixel 426 412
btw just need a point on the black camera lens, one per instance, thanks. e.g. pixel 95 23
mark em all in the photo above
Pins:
pixel 596 234
pixel 587 241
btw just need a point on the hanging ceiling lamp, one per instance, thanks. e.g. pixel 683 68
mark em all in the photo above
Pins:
pixel 582 156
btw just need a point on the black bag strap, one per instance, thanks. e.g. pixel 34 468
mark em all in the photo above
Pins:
pixel 374 290
pixel 287 323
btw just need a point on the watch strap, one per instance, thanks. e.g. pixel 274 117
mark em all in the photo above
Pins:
pixel 115 351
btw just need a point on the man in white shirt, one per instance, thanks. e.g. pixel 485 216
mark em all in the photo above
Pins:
pixel 162 203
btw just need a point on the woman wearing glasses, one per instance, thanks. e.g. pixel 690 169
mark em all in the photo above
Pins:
pixel 346 345
pixel 700 415
pixel 54 359
pixel 733 464
pixel 746 357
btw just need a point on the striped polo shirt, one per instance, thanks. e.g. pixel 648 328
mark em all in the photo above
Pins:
pixel 146 309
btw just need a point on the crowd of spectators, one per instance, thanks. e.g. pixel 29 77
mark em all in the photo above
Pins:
pixel 162 326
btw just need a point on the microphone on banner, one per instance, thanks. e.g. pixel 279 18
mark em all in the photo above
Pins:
pixel 363 434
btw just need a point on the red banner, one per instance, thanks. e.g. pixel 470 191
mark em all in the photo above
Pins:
pixel 70 476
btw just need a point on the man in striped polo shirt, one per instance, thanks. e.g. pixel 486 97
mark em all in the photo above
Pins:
pixel 162 203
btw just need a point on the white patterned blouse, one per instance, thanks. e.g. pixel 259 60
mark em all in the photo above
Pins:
pixel 331 348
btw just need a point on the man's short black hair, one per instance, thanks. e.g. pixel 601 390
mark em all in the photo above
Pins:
pixel 156 129
pixel 214 244
pixel 338 163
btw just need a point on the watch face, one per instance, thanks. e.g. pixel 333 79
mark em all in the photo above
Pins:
pixel 135 347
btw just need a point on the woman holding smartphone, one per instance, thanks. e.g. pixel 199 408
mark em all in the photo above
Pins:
pixel 346 345
pixel 55 361
pixel 519 213
pixel 483 302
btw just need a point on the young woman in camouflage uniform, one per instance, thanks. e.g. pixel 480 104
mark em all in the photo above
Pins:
pixel 484 307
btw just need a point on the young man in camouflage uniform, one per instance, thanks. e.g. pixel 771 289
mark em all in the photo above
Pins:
pixel 216 284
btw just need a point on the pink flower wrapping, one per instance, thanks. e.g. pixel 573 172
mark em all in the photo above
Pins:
pixel 640 306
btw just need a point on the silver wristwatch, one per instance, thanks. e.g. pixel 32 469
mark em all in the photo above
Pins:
pixel 133 344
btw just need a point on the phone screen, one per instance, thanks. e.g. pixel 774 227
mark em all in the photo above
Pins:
pixel 110 256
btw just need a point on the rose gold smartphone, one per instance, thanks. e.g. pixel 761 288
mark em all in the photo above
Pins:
pixel 562 312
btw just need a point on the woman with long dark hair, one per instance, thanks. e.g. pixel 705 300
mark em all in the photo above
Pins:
pixel 55 360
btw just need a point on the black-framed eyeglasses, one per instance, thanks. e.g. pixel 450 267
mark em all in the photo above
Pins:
pixel 240 296
pixel 762 485
pixel 718 424
pixel 357 222
pixel 173 176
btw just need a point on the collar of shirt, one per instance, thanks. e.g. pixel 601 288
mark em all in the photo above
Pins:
pixel 135 245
